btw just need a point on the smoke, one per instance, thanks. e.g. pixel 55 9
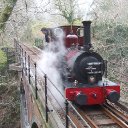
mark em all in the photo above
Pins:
pixel 86 7
pixel 51 64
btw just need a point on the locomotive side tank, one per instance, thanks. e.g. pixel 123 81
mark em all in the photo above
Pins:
pixel 85 71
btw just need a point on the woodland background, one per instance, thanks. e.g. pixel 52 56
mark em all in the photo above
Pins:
pixel 23 19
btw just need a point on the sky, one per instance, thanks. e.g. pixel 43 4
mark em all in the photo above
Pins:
pixel 84 5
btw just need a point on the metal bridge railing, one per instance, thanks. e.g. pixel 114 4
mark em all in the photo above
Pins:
pixel 35 73
pixel 30 69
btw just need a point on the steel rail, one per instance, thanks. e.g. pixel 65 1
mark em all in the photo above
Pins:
pixel 117 112
pixel 82 119
pixel 88 119
pixel 122 107
pixel 116 119
pixel 72 122
pixel 75 120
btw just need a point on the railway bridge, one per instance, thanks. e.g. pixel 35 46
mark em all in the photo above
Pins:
pixel 40 107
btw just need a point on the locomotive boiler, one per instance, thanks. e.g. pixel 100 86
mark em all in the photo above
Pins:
pixel 85 84
pixel 85 66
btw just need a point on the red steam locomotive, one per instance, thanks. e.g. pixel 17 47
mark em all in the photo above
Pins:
pixel 84 82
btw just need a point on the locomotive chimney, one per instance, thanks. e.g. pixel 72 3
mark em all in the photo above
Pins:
pixel 87 35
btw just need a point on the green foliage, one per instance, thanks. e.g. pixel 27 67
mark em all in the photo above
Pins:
pixel 38 42
pixel 121 31
pixel 105 5
pixel 68 9
pixel 33 31
pixel 3 89
pixel 111 41
pixel 10 105
pixel 12 109
pixel 36 28
pixel 10 1
pixel 28 36
pixel 3 59
pixel 6 12
pixel 111 34
pixel 5 15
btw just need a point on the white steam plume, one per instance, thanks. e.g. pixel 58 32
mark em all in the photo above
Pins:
pixel 51 65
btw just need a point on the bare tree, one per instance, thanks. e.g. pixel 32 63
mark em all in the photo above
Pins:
pixel 67 9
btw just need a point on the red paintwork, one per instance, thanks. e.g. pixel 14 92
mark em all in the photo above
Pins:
pixel 70 54
pixel 71 40
pixel 71 93
pixel 89 92
pixel 68 30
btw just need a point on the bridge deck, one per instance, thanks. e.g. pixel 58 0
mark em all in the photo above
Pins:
pixel 33 98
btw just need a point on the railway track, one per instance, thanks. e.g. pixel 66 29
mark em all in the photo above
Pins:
pixel 117 116
pixel 31 50
pixel 105 116
pixel 124 108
